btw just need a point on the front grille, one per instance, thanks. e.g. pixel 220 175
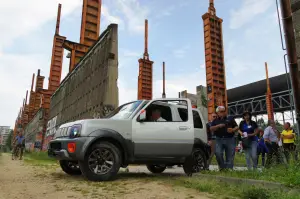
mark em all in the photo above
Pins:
pixel 55 146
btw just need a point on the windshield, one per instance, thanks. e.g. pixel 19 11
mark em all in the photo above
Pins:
pixel 124 111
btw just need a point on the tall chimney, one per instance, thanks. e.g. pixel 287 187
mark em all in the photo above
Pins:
pixel 269 103
pixel 58 19
pixel 267 77
pixel 146 55
pixel 32 82
pixel 26 97
pixel 164 82
pixel 24 104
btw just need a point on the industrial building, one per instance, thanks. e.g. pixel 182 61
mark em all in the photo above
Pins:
pixel 4 133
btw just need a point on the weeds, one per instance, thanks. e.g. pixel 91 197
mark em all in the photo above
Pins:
pixel 222 189
pixel 39 159
pixel 289 176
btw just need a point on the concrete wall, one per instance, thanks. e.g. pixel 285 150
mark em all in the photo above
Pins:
pixel 34 131
pixel 90 90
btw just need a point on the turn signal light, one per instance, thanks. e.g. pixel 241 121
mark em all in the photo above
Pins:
pixel 71 147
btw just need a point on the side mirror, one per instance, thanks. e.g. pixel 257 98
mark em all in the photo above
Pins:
pixel 142 116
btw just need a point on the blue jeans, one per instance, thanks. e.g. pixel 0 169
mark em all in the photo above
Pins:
pixel 227 145
pixel 251 155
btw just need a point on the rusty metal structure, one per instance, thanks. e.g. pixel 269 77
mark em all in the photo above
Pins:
pixel 290 10
pixel 214 60
pixel 164 82
pixel 269 102
pixel 57 58
pixel 90 90
pixel 145 77
pixel 89 33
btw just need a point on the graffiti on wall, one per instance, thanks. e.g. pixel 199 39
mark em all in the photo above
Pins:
pixel 50 131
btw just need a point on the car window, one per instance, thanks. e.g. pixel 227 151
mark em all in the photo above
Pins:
pixel 183 113
pixel 165 112
pixel 197 120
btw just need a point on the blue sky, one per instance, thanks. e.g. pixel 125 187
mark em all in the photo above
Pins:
pixel 251 37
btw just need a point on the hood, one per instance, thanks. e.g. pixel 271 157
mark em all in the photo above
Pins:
pixel 90 125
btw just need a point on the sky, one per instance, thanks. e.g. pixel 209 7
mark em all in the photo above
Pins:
pixel 250 33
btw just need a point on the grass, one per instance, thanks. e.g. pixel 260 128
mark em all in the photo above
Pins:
pixel 38 159
pixel 288 176
pixel 226 190
pixel 239 160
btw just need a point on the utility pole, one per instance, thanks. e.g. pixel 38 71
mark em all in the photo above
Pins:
pixel 164 82
pixel 290 43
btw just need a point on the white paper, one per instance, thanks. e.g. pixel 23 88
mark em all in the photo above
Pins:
pixel 245 134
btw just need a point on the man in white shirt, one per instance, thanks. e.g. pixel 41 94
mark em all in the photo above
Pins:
pixel 156 116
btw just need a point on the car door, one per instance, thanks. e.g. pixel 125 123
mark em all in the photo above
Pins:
pixel 165 139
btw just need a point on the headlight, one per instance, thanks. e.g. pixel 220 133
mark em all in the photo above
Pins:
pixel 74 131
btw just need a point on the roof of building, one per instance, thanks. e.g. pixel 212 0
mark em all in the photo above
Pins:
pixel 256 89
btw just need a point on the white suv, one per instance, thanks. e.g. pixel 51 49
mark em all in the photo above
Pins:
pixel 97 148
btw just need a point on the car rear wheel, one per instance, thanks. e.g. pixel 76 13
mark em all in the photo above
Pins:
pixel 195 163
pixel 70 167
pixel 102 162
pixel 156 168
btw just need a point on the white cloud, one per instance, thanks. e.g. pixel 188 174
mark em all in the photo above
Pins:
pixel 126 57
pixel 134 14
pixel 19 18
pixel 174 84
pixel 180 53
pixel 248 11
pixel 15 79
pixel 109 18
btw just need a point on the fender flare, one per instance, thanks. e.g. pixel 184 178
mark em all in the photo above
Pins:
pixel 110 135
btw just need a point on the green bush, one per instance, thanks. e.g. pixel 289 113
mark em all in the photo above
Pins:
pixel 255 193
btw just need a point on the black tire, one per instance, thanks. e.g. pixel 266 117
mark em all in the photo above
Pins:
pixel 195 163
pixel 92 159
pixel 156 168
pixel 70 167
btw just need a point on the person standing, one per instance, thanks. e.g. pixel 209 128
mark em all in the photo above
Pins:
pixel 261 147
pixel 20 144
pixel 224 129
pixel 248 128
pixel 288 138
pixel 211 138
pixel 271 136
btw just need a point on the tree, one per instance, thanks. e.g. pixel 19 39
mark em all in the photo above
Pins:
pixel 9 139
pixel 203 99
pixel 261 123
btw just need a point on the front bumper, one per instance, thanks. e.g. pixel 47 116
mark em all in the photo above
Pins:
pixel 58 148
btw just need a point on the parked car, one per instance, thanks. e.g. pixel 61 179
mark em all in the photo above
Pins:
pixel 97 148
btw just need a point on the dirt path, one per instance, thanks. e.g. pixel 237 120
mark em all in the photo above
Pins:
pixel 21 181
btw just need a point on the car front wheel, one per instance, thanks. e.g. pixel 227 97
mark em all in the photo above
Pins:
pixel 102 162
pixel 156 168
pixel 196 162
pixel 70 167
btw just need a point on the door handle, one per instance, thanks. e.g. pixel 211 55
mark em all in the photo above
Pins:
pixel 183 128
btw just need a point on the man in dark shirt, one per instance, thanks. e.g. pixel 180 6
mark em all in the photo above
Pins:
pixel 224 129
